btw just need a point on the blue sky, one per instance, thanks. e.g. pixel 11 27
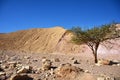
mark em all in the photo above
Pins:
pixel 25 14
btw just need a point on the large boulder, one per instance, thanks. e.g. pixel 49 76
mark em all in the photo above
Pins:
pixel 70 72
pixel 67 71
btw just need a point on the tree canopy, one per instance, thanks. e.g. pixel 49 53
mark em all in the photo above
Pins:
pixel 94 36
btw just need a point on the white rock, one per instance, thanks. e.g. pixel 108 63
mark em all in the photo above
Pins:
pixel 101 78
pixel 86 71
pixel 27 57
pixel 98 64
pixel 115 61
pixel 25 69
pixel 118 64
pixel 2 73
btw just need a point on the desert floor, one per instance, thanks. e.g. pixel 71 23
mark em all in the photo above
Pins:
pixel 84 61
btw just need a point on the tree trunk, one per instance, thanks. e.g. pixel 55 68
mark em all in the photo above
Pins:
pixel 95 56
pixel 94 49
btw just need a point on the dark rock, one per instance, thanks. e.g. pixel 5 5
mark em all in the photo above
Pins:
pixel 21 77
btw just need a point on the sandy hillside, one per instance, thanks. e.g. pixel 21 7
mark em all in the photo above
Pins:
pixel 45 40
pixel 34 40
pixel 50 40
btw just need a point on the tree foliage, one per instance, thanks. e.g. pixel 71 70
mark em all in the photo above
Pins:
pixel 93 37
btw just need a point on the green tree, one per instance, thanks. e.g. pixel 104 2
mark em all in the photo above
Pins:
pixel 93 37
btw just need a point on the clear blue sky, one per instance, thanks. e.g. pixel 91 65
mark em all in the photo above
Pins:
pixel 25 14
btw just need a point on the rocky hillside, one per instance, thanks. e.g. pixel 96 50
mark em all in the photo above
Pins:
pixel 45 40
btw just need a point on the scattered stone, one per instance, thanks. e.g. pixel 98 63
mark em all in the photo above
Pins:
pixel 1 61
pixel 28 61
pixel 46 64
pixel 13 58
pixel 19 66
pixel 87 61
pixel 2 76
pixel 5 66
pixel 98 64
pixel 20 77
pixel 118 64
pixel 25 69
pixel 86 71
pixel 103 62
pixel 1 69
pixel 8 74
pixel 72 58
pixel 12 64
pixel 2 73
pixel 115 61
pixel 112 79
pixel 52 71
pixel 109 78
pixel 117 78
pixel 35 60
pixel 76 62
pixel 38 70
pixel 47 75
pixel 103 75
pixel 27 57
pixel 67 70
pixel 56 60
pixel 101 78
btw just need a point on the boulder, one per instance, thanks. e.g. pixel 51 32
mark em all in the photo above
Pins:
pixel 67 70
pixel 20 77
pixel 70 72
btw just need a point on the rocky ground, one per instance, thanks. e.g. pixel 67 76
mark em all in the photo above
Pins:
pixel 56 66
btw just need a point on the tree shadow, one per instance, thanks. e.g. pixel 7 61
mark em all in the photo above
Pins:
pixel 113 63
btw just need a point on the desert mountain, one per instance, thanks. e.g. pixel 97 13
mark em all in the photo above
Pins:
pixel 46 40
